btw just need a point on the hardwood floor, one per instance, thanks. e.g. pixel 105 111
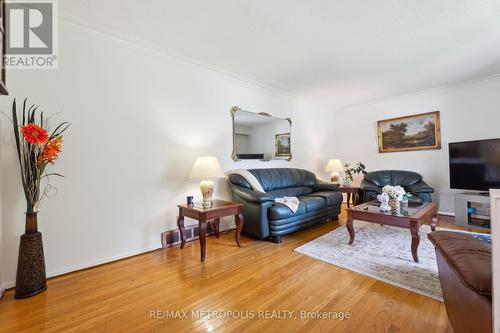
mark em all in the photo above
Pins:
pixel 260 276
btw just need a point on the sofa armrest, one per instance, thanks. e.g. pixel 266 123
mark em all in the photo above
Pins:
pixel 420 187
pixel 369 186
pixel 255 209
pixel 251 196
pixel 325 186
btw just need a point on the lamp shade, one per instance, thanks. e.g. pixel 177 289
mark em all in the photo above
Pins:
pixel 206 167
pixel 334 165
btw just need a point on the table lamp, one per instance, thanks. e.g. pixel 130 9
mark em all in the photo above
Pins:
pixel 205 168
pixel 334 166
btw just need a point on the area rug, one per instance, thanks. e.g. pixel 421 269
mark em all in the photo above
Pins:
pixel 383 253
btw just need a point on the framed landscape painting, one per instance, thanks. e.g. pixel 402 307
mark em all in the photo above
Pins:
pixel 417 132
pixel 282 145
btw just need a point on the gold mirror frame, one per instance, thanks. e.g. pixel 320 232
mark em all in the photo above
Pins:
pixel 235 109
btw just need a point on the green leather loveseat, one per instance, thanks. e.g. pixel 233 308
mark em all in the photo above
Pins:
pixel 412 182
pixel 264 218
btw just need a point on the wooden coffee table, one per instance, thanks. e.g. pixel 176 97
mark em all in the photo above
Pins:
pixel 411 217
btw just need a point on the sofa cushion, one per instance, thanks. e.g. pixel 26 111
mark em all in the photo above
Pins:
pixel 290 192
pixel 332 198
pixel 313 203
pixel 393 177
pixel 469 257
pixel 405 178
pixel 280 211
pixel 279 178
pixel 307 204
pixel 379 178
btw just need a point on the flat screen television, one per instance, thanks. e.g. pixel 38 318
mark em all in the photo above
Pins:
pixel 475 165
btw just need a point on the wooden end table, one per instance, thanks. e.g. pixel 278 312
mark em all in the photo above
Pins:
pixel 351 190
pixel 412 217
pixel 220 208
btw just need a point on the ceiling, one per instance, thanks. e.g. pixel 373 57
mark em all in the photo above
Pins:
pixel 332 53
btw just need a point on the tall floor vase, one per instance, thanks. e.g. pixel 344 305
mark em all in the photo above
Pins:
pixel 31 278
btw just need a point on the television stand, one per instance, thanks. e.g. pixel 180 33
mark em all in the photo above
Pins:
pixel 473 210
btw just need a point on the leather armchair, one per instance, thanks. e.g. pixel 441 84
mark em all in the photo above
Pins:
pixel 464 264
pixel 412 182
pixel 318 201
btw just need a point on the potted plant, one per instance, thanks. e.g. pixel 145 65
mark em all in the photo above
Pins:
pixel 37 148
pixel 350 171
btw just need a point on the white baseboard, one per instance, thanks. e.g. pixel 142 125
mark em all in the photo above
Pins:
pixel 74 268
pixel 446 213
pixel 8 285
pixel 2 289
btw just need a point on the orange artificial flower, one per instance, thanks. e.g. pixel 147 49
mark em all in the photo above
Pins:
pixel 34 134
pixel 51 150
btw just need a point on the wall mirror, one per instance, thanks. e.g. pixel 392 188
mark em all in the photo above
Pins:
pixel 260 136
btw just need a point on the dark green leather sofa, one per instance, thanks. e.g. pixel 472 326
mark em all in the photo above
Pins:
pixel 412 182
pixel 265 218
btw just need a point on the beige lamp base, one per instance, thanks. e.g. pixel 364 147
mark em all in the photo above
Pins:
pixel 207 189
pixel 335 177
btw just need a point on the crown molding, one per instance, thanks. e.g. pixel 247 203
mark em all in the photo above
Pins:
pixel 160 51
pixel 447 86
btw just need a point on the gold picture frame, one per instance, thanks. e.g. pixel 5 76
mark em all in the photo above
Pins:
pixel 283 145
pixel 410 133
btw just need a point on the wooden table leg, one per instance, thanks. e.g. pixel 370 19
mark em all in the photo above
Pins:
pixel 202 230
pixel 348 200
pixel 355 199
pixel 350 227
pixel 182 231
pixel 434 222
pixel 239 226
pixel 415 239
pixel 217 225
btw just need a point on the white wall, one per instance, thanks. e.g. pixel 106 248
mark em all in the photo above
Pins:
pixel 468 111
pixel 241 142
pixel 138 121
